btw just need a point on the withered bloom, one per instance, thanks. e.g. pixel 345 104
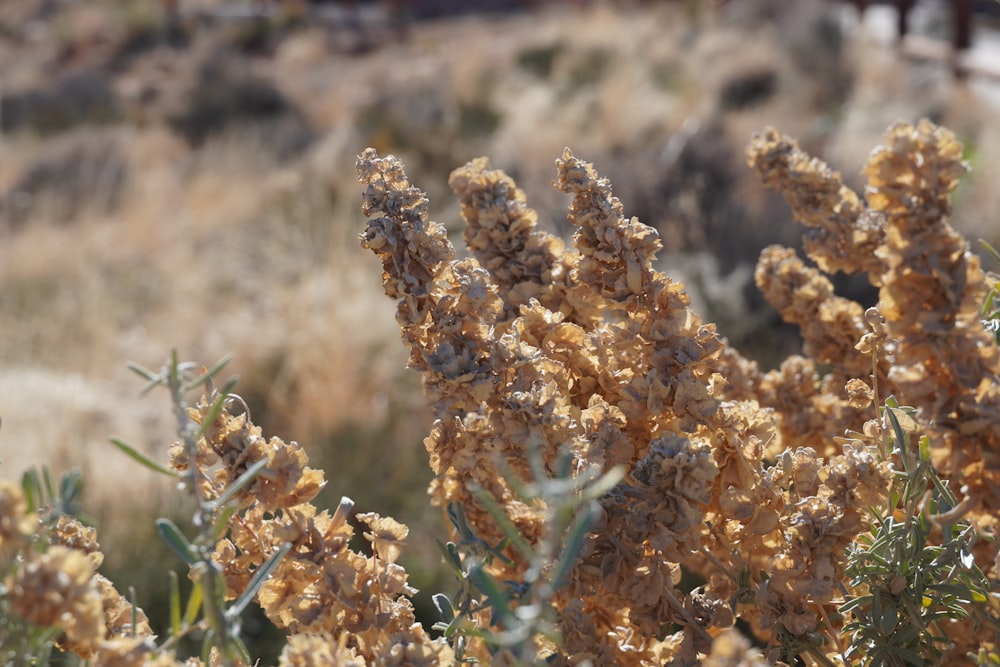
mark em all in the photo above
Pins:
pixel 321 588
pixel 57 589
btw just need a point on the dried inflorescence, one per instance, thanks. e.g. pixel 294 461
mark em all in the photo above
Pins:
pixel 843 234
pixel 501 232
pixel 355 604
pixel 57 589
pixel 321 586
pixel 758 483
pixel 619 372
pixel 17 525
pixel 52 581
pixel 946 362
pixel 931 288
pixel 929 347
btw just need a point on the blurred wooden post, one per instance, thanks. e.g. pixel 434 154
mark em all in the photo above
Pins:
pixel 171 13
pixel 903 8
pixel 961 26
pixel 171 20
pixel 961 13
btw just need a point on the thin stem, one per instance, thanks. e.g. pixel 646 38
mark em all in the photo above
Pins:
pixel 718 563
pixel 832 630
pixel 169 643
pixel 691 621
pixel 820 657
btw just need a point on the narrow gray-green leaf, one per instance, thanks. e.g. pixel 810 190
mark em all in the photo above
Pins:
pixel 135 611
pixel 144 372
pixel 239 484
pixel 259 577
pixel 564 464
pixel 489 587
pixel 153 379
pixel 900 438
pixel 989 248
pixel 176 541
pixel 70 485
pixel 573 545
pixel 32 487
pixel 136 455
pixel 508 528
pixel 173 376
pixel 603 484
pixel 206 647
pixel 210 373
pixel 50 485
pixel 444 607
pixel 451 556
pixel 456 513
pixel 222 522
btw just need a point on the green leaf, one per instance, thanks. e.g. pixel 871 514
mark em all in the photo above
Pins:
pixel 153 379
pixel 239 484
pixel 924 449
pixel 900 437
pixel 31 484
pixel 208 374
pixel 456 514
pixel 563 465
pixel 957 591
pixel 175 604
pixel 173 376
pixel 451 556
pixel 888 620
pixel 50 485
pixel 854 603
pixel 135 454
pixel 241 648
pixel 135 610
pixel 222 522
pixel 576 535
pixel 988 303
pixel 144 372
pixel 70 486
pixel 603 484
pixel 213 601
pixel 444 607
pixel 193 605
pixel 509 530
pixel 990 249
pixel 488 586
pixel 176 541
pixel 206 647
pixel 907 656
pixel 258 579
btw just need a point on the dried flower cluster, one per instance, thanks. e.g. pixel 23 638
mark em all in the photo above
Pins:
pixel 339 606
pixel 758 483
pixel 941 358
pixel 52 581
pixel 322 590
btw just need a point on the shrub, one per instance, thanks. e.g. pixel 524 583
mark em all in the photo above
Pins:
pixel 623 486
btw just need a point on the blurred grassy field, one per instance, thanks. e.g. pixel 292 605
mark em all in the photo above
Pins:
pixel 193 188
